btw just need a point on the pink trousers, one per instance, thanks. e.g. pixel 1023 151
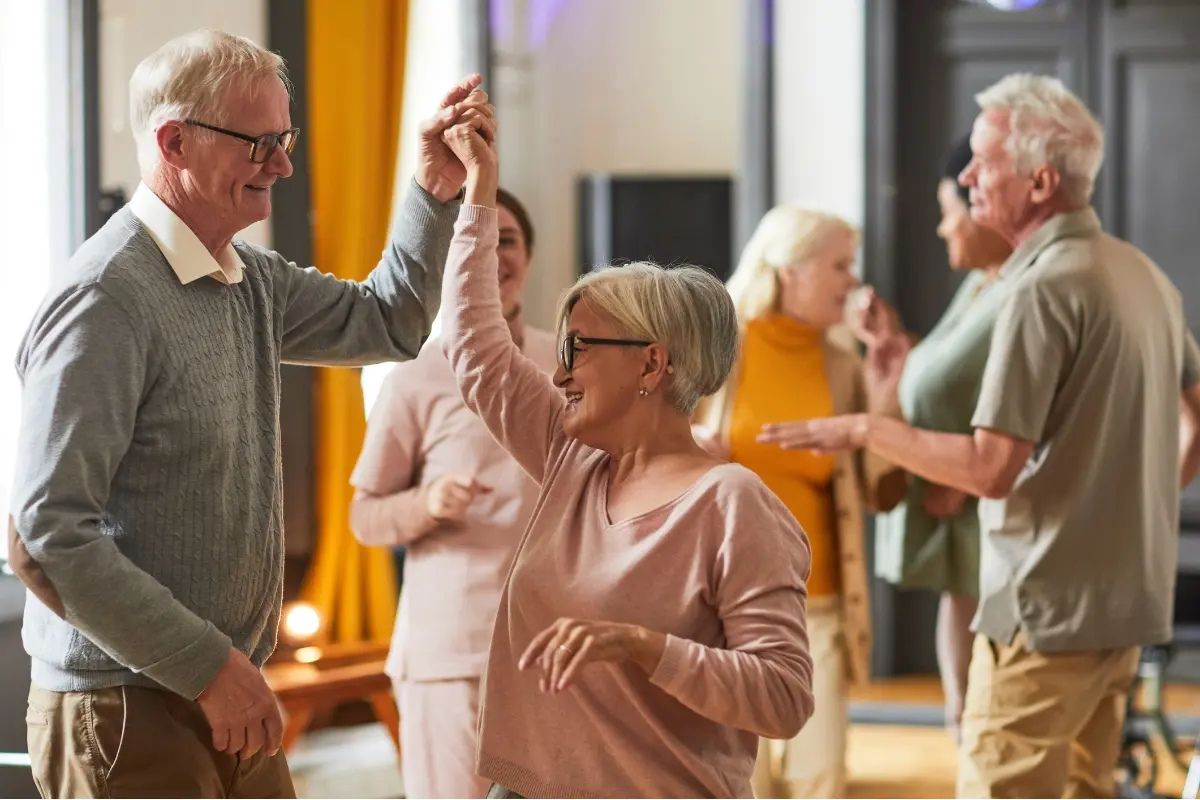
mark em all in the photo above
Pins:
pixel 437 731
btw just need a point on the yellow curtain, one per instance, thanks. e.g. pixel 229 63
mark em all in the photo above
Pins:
pixel 355 87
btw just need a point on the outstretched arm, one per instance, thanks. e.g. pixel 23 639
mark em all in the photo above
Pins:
pixel 985 464
pixel 1032 348
pixel 387 317
pixel 509 392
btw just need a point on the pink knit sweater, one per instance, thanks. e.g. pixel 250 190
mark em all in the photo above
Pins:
pixel 721 570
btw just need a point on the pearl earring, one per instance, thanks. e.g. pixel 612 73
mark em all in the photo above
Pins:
pixel 642 391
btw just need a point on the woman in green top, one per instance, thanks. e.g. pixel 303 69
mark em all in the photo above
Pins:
pixel 931 540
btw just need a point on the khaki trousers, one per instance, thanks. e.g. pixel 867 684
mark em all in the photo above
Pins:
pixel 135 742
pixel 1043 724
pixel 813 763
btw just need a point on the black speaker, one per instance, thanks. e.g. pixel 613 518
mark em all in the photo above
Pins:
pixel 670 220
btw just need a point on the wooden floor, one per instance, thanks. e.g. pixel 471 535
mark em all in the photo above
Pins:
pixel 900 761
pixel 916 761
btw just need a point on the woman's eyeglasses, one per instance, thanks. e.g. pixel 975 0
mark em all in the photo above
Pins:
pixel 261 147
pixel 570 346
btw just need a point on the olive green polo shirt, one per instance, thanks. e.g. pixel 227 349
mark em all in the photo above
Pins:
pixel 1089 356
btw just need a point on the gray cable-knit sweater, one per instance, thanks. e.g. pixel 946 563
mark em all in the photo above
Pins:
pixel 148 482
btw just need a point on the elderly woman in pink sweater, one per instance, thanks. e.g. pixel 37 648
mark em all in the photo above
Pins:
pixel 653 623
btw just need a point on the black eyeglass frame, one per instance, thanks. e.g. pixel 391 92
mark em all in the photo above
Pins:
pixel 266 142
pixel 567 348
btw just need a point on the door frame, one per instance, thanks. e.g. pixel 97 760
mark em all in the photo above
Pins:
pixel 878 253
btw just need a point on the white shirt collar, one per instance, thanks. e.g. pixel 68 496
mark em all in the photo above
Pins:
pixel 187 256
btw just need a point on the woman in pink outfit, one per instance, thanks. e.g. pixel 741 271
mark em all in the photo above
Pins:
pixel 432 477
pixel 653 623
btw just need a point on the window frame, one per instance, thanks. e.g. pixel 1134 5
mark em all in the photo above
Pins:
pixel 72 47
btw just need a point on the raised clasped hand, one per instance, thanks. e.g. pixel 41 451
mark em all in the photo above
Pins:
pixel 439 171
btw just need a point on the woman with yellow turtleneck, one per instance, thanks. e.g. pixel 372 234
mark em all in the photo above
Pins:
pixel 790 290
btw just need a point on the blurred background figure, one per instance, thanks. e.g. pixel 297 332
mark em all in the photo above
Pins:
pixel 931 540
pixel 1090 366
pixel 790 289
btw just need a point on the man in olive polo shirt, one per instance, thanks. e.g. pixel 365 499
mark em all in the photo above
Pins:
pixel 1080 448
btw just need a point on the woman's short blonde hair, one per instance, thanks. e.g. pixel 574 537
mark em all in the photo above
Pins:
pixel 187 78
pixel 786 235
pixel 684 308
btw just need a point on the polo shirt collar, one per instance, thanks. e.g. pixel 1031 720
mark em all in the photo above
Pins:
pixel 1068 225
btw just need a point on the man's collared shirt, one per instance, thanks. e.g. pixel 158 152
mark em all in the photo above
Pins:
pixel 1089 356
pixel 187 256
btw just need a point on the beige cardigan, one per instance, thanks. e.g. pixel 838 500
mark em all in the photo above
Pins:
pixel 860 481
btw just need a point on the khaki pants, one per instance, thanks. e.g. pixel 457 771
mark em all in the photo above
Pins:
pixel 813 763
pixel 1043 724
pixel 135 742
pixel 438 720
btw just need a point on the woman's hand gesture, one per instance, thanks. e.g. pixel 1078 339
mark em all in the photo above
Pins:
pixel 567 646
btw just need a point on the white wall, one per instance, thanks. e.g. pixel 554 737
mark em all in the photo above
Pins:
pixel 656 86
pixel 609 85
pixel 820 104
pixel 433 62
pixel 130 30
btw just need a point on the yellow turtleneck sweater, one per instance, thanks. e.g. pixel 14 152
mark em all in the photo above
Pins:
pixel 783 378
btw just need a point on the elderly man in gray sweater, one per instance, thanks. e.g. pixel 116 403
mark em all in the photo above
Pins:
pixel 147 511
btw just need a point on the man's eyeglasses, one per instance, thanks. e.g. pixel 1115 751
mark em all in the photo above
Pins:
pixel 261 147
pixel 570 346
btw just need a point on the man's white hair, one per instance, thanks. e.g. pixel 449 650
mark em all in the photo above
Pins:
pixel 1049 125
pixel 187 78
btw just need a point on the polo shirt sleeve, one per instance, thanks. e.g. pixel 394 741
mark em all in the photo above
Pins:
pixel 1191 359
pixel 1032 345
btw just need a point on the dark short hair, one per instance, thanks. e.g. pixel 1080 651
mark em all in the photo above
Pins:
pixel 955 162
pixel 514 206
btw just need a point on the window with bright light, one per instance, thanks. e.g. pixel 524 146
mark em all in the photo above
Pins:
pixel 432 64
pixel 35 204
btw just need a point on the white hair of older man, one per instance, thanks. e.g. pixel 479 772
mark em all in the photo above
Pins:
pixel 1049 125
pixel 188 77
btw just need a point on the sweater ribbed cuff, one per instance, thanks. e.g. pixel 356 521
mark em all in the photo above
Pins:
pixel 190 670
pixel 667 670
pixel 487 218
pixel 422 217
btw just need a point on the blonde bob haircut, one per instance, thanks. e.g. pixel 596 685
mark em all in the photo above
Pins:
pixel 787 235
pixel 684 308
